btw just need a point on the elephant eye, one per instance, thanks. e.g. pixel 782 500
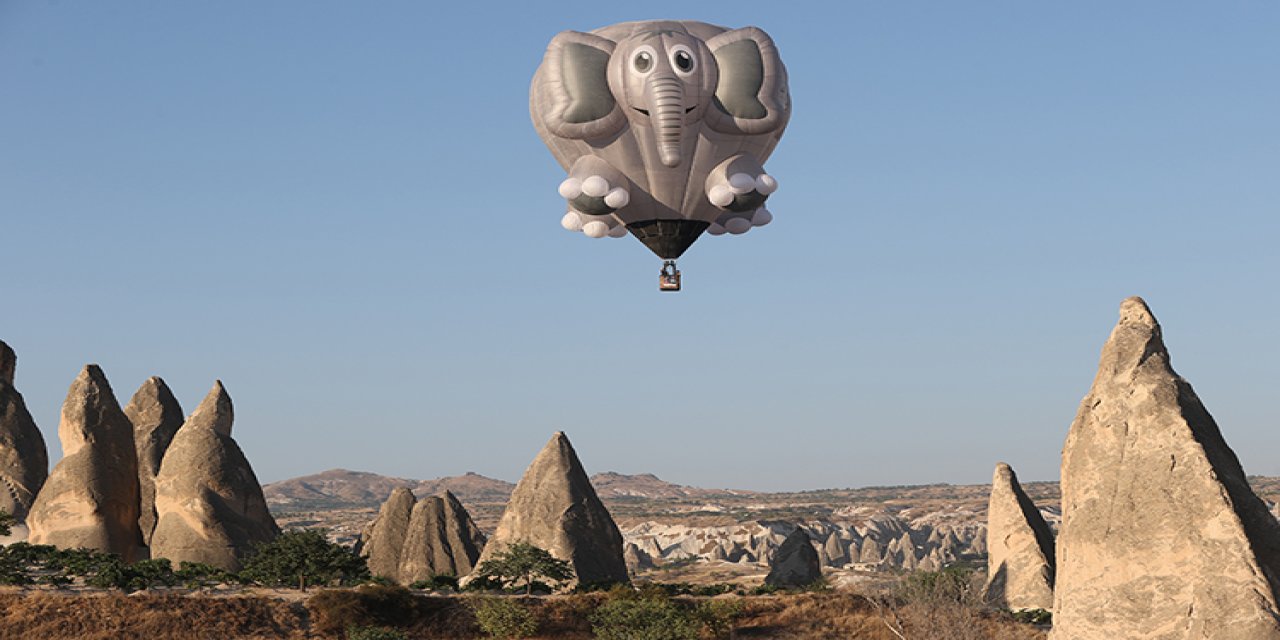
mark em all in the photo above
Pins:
pixel 643 61
pixel 683 60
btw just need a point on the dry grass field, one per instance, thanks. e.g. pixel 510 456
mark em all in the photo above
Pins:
pixel 55 615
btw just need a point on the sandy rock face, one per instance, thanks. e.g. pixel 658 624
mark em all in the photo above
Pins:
pixel 465 540
pixel 636 558
pixel 24 460
pixel 156 417
pixel 441 541
pixel 425 554
pixel 91 498
pixel 381 546
pixel 795 563
pixel 209 505
pixel 413 539
pixel 1161 536
pixel 1020 547
pixel 554 507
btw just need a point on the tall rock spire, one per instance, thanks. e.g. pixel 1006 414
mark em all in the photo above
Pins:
pixel 209 504
pixel 796 563
pixel 1161 536
pixel 91 498
pixel 442 540
pixel 386 536
pixel 156 417
pixel 554 507
pixel 1019 547
pixel 24 460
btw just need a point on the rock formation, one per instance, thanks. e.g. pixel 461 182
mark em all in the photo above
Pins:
pixel 1020 560
pixel 156 417
pixel 870 552
pixel 837 554
pixel 636 558
pixel 91 498
pixel 8 363
pixel 1161 536
pixel 555 507
pixel 441 540
pixel 795 564
pixel 209 504
pixel 24 460
pixel 381 546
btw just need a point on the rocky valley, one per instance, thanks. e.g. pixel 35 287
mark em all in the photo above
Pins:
pixel 712 534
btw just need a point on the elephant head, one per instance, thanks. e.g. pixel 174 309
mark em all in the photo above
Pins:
pixel 663 77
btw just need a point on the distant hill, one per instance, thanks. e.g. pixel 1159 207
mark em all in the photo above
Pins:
pixel 343 489
pixel 651 487
pixel 645 496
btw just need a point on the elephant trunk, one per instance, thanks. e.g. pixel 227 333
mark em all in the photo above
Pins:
pixel 666 102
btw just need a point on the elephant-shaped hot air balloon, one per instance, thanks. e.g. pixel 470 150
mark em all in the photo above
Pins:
pixel 663 128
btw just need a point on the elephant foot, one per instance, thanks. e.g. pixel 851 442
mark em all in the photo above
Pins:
pixel 738 223
pixel 593 226
pixel 742 192
pixel 595 191
pixel 594 195
pixel 739 185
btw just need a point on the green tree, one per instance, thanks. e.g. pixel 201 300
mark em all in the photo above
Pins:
pixel 303 558
pixel 522 564
pixel 6 523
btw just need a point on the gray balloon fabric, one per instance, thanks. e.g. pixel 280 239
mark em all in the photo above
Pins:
pixel 662 121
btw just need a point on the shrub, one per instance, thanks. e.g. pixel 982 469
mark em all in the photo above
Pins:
pixel 711 590
pixel 953 584
pixel 503 617
pixel 941 605
pixel 483 583
pixel 442 582
pixel 642 618
pixel 197 575
pixel 13 571
pixel 1033 616
pixel 373 633
pixel 717 616
pixel 145 574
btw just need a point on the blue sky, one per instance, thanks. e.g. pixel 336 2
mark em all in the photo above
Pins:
pixel 343 212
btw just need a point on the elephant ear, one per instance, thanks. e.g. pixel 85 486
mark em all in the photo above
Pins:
pixel 571 90
pixel 751 94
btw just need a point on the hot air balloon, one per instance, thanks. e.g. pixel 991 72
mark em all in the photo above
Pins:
pixel 663 128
